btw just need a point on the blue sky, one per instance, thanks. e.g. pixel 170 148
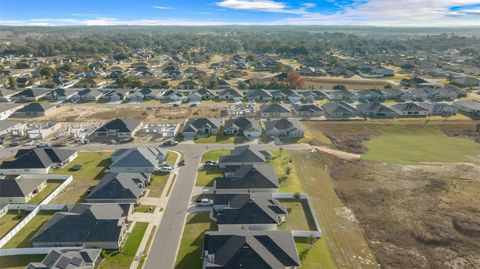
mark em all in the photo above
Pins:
pixel 218 12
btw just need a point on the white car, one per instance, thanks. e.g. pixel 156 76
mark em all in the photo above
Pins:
pixel 166 168
pixel 204 202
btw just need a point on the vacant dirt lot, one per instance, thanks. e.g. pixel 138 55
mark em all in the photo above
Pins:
pixel 146 112
pixel 414 216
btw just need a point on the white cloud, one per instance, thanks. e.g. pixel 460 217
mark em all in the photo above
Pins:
pixel 162 7
pixel 309 5
pixel 260 5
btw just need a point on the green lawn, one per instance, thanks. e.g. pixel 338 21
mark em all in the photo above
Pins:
pixel 19 261
pixel 171 157
pixel 205 177
pixel 214 154
pixel 299 216
pixel 192 241
pixel 122 259
pixel 10 220
pixel 408 145
pixel 145 208
pixel 220 138
pixel 286 172
pixel 51 186
pixel 21 239
pixel 157 184
pixel 94 164
pixel 313 254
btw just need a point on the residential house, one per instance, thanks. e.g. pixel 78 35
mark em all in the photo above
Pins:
pixel 376 110
pixel 37 161
pixel 311 96
pixel 466 81
pixel 7 127
pixel 61 94
pixel 119 128
pixel 230 94
pixel 243 155
pixel 274 111
pixel 286 94
pixel 206 94
pixel 35 110
pixel 116 95
pixel 137 160
pixel 251 249
pixel 243 126
pixel 468 106
pixel 195 97
pixel 69 259
pixel 172 95
pixel 87 95
pixel 307 110
pixel 248 211
pixel 409 109
pixel 247 179
pixel 188 85
pixel 441 109
pixel 259 95
pixel 20 190
pixel 8 109
pixel 30 95
pixel 87 225
pixel 194 128
pixel 367 96
pixel 6 95
pixel 144 94
pixel 339 110
pixel 284 128
pixel 119 188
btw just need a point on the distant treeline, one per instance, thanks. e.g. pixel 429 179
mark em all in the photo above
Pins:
pixel 293 41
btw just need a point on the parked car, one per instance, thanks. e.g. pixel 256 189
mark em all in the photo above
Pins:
pixel 170 142
pixel 182 162
pixel 42 145
pixel 204 202
pixel 76 167
pixel 166 168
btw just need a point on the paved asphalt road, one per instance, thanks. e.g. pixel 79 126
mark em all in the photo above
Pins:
pixel 168 236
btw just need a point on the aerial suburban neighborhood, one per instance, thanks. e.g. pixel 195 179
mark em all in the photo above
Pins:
pixel 146 147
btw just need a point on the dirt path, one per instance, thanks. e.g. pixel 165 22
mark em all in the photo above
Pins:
pixel 343 235
pixel 338 153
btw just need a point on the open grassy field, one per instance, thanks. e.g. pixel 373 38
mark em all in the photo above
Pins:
pixel 51 186
pixel 299 217
pixel 214 154
pixel 314 254
pixel 19 261
pixel 190 251
pixel 10 220
pixel 122 259
pixel 21 239
pixel 157 184
pixel 343 238
pixel 94 164
pixel 406 145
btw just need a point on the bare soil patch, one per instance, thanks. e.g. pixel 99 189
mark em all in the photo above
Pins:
pixel 414 216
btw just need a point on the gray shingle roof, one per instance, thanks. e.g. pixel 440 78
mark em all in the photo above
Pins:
pixel 119 186
pixel 36 107
pixel 193 125
pixel 73 259
pixel 243 123
pixel 259 208
pixel 137 157
pixel 121 125
pixel 84 223
pixel 283 124
pixel 38 158
pixel 251 249
pixel 19 187
pixel 274 108
pixel 249 177
pixel 245 154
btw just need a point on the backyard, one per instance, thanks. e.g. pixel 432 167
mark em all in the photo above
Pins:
pixel 22 238
pixel 299 216
pixel 51 186
pixel 93 165
pixel 190 251
pixel 286 171
pixel 123 258
pixel 10 220
pixel 19 261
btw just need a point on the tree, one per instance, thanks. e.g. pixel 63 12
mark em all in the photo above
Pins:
pixel 47 71
pixel 339 87
pixel 294 80
pixel 12 83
